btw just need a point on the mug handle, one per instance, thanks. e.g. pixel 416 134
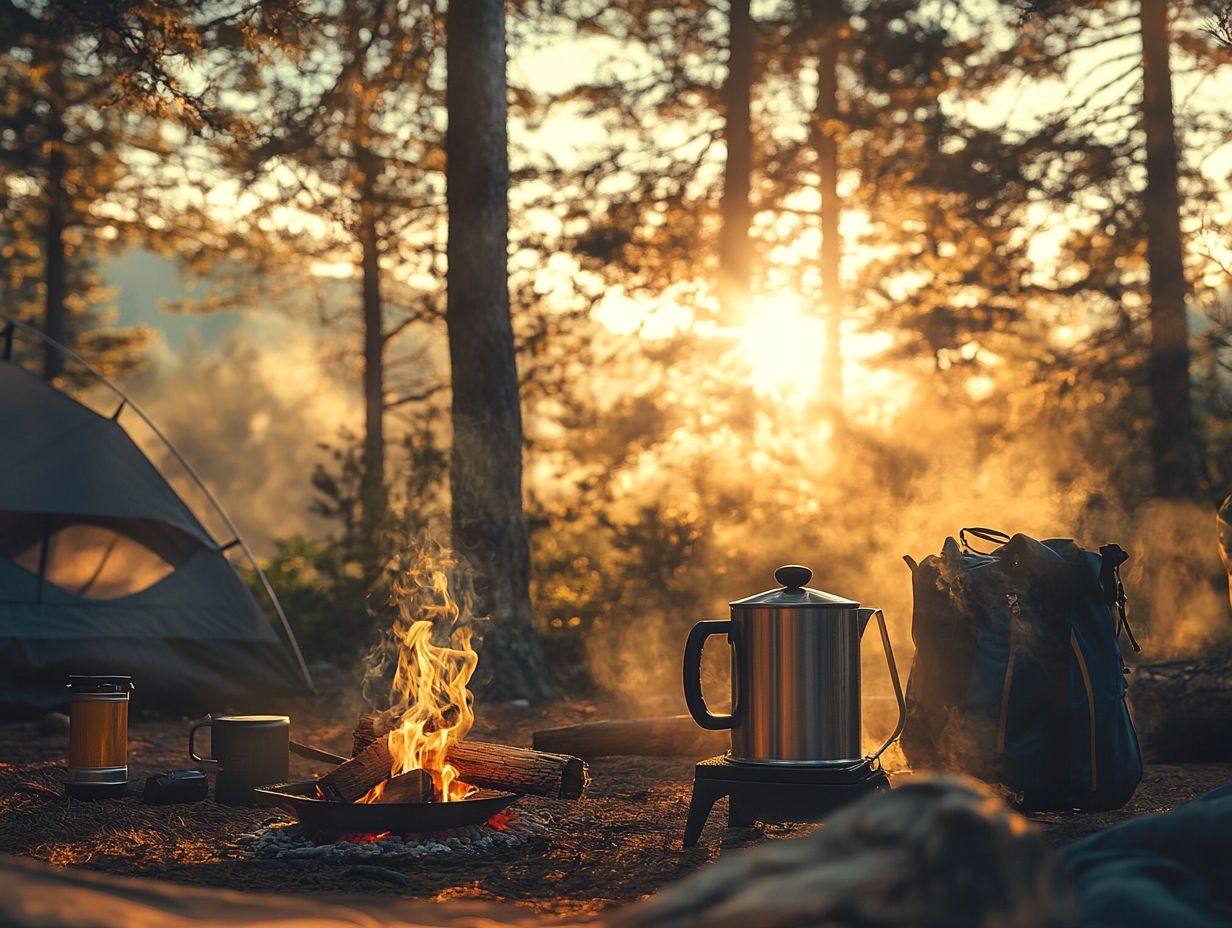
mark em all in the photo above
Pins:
pixel 191 750
pixel 693 675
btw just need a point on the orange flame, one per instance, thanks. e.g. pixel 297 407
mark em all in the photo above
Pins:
pixel 432 706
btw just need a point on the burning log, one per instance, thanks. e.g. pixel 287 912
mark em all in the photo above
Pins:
pixel 359 775
pixel 492 766
pixel 669 736
pixel 414 786
pixel 365 733
pixel 1183 709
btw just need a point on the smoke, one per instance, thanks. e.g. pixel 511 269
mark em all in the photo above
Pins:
pixel 1175 582
pixel 426 583
pixel 851 508
pixel 248 415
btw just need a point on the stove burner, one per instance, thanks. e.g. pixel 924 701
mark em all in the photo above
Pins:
pixel 775 793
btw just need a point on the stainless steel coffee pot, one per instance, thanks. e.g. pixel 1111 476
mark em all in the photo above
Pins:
pixel 795 675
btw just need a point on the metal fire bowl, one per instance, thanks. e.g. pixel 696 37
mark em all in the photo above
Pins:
pixel 329 820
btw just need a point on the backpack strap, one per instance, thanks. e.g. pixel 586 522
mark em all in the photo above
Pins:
pixel 990 535
pixel 1113 556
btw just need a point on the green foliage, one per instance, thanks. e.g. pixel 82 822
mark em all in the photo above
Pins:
pixel 598 577
pixel 325 593
pixel 415 505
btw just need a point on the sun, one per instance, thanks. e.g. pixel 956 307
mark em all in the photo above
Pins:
pixel 783 346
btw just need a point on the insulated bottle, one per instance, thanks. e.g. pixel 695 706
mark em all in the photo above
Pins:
pixel 97 736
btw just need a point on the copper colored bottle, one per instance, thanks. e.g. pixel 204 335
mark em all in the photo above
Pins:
pixel 98 737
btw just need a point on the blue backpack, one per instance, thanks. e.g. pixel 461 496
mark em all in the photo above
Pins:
pixel 1018 677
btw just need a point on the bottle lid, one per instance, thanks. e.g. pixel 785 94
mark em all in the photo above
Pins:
pixel 108 684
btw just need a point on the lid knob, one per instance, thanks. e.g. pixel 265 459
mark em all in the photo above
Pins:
pixel 793 576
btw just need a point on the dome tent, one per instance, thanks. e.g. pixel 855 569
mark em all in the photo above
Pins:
pixel 104 569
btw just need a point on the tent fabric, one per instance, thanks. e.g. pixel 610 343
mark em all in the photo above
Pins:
pixel 105 570
pixel 59 456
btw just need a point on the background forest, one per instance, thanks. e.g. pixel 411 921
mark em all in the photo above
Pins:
pixel 790 281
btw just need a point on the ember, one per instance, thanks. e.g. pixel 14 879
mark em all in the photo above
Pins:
pixel 500 821
pixel 502 831
pixel 362 838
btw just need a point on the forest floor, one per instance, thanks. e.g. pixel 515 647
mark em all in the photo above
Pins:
pixel 621 842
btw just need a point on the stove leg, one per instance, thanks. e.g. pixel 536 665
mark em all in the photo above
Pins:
pixel 704 797
pixel 740 814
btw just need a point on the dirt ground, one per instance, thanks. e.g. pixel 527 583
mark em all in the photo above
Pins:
pixel 621 842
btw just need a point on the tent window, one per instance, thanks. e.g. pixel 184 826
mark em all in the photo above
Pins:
pixel 94 557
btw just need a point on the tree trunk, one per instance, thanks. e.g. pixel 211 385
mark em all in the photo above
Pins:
pixel 55 265
pixel 485 479
pixel 825 117
pixel 1172 435
pixel 735 212
pixel 372 488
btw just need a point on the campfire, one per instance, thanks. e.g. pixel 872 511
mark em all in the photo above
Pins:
pixel 432 713
pixel 411 770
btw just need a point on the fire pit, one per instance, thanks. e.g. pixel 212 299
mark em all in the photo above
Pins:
pixel 410 771
pixel 326 819
pixel 502 831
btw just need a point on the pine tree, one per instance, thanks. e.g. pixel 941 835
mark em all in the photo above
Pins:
pixel 1135 256
pixel 346 140
pixel 64 173
pixel 489 525
pixel 1173 442
pixel 85 90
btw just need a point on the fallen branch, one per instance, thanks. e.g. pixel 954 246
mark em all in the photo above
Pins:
pixel 670 736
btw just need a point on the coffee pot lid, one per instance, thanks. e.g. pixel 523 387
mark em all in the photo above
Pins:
pixel 793 592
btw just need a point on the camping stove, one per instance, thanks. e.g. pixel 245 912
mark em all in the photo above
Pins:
pixel 761 792
pixel 795 693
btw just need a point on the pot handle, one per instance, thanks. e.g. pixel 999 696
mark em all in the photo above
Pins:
pixel 693 674
pixel 865 615
pixel 192 751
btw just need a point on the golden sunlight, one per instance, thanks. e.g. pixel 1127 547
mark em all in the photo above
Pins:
pixel 783 345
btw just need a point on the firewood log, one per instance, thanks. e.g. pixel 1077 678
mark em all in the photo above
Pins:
pixel 412 786
pixel 364 734
pixel 1183 709
pixel 350 781
pixel 520 770
pixel 499 766
pixel 669 736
